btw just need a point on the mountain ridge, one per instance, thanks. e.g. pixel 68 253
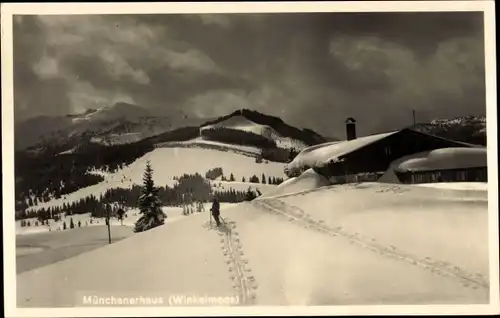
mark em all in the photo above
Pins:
pixel 125 123
pixel 104 125
pixel 469 129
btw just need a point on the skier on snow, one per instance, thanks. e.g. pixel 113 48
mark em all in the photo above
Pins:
pixel 216 211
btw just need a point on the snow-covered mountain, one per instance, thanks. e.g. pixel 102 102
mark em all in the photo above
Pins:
pixel 125 123
pixel 62 167
pixel 470 129
pixel 117 124
pixel 241 123
pixel 269 127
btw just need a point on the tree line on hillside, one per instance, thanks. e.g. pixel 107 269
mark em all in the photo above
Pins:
pixel 237 137
pixel 308 136
pixel 215 173
pixel 44 176
pixel 263 180
pixel 278 154
pixel 180 134
pixel 42 222
pixel 234 196
pixel 190 188
pixel 269 149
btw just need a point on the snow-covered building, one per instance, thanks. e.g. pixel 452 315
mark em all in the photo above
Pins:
pixel 367 158
pixel 446 164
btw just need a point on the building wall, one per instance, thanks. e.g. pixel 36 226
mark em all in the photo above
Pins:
pixel 376 157
pixel 450 175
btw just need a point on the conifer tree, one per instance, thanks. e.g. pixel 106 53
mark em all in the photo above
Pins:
pixel 249 196
pixel 149 204
pixel 263 179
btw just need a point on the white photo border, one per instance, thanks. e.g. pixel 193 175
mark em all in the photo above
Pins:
pixel 7 12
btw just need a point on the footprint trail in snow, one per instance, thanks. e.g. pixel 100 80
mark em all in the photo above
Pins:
pixel 238 266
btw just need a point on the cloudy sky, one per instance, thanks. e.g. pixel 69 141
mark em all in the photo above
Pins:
pixel 312 70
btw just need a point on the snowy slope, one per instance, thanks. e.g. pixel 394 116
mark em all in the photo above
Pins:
pixel 131 216
pixel 173 213
pixel 117 139
pixel 409 217
pixel 480 186
pixel 199 142
pixel 241 123
pixel 168 163
pixel 174 265
pixel 376 244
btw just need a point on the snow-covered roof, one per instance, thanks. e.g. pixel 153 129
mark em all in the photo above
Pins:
pixel 321 154
pixel 445 158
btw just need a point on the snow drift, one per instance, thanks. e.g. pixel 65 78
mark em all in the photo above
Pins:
pixel 390 174
pixel 308 180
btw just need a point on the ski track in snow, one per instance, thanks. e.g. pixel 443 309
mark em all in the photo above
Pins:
pixel 299 217
pixel 238 266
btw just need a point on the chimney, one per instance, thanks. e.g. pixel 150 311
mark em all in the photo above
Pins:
pixel 350 126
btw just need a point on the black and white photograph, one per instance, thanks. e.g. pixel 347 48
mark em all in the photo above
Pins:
pixel 226 161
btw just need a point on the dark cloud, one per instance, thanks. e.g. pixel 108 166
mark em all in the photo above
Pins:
pixel 313 70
